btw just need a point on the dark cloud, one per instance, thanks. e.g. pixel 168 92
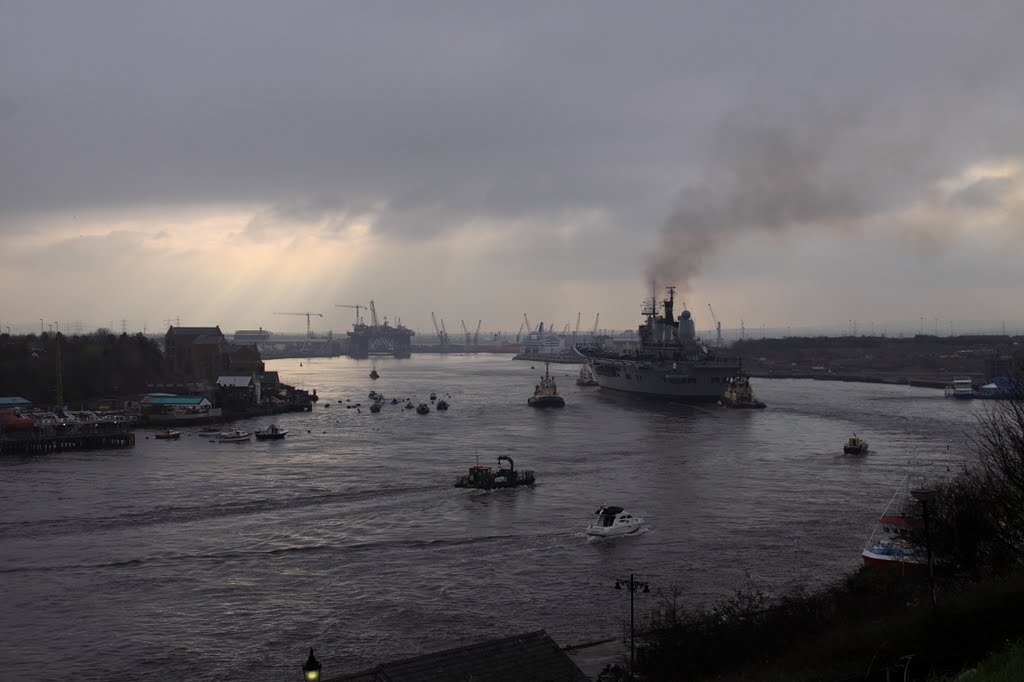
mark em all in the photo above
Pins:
pixel 435 120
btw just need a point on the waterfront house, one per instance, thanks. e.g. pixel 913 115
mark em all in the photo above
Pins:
pixel 166 403
pixel 237 393
pixel 195 351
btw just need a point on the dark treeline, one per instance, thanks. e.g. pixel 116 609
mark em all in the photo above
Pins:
pixel 98 365
pixel 916 343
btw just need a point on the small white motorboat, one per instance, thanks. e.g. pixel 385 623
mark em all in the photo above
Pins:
pixel 235 436
pixel 614 521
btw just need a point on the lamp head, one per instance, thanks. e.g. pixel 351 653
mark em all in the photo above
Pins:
pixel 311 668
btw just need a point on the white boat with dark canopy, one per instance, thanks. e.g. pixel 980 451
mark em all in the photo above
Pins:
pixel 613 521
pixel 671 362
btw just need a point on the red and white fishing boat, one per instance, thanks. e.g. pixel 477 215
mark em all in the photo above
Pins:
pixel 893 544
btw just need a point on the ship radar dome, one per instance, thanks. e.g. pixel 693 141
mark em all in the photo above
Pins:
pixel 686 314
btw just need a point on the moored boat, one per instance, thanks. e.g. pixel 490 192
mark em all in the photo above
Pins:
pixel 484 478
pixel 234 436
pixel 892 544
pixel 545 394
pixel 586 377
pixel 442 405
pixel 373 373
pixel 962 388
pixel 272 432
pixel 167 435
pixel 613 521
pixel 422 408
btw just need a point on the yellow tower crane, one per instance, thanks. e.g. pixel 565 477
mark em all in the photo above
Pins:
pixel 309 326
pixel 358 307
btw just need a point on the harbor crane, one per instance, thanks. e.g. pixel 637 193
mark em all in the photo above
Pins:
pixel 442 338
pixel 594 333
pixel 476 334
pixel 465 333
pixel 520 332
pixel 527 320
pixel 358 307
pixel 718 327
pixel 309 326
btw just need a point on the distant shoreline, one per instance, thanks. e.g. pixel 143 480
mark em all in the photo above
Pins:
pixel 897 380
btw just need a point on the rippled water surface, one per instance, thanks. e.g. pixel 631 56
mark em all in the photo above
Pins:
pixel 197 560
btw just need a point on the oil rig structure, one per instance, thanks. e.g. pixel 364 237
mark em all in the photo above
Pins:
pixel 379 338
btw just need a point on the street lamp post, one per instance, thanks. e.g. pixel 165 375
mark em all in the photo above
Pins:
pixel 924 497
pixel 311 668
pixel 632 585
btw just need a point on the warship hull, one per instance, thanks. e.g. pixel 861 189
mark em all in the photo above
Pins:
pixel 696 382
pixel 669 361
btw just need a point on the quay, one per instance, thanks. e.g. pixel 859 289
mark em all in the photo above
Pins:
pixel 104 436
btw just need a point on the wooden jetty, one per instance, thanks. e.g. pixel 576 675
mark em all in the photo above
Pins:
pixel 42 441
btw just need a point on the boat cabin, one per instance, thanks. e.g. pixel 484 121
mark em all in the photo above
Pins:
pixel 607 516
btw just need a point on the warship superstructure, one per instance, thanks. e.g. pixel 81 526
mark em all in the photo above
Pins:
pixel 670 362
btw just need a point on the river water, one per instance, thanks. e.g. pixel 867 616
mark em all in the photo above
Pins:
pixel 198 560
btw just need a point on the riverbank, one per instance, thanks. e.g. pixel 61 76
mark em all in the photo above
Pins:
pixel 921 381
pixel 868 627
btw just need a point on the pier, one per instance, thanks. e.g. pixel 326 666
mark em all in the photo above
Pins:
pixel 38 442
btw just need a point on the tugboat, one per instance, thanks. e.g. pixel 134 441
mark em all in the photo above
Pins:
pixel 483 478
pixel 272 432
pixel 586 377
pixel 422 408
pixel 855 446
pixel 739 394
pixel 373 373
pixel 546 393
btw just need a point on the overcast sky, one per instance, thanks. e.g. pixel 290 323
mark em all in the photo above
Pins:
pixel 794 164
